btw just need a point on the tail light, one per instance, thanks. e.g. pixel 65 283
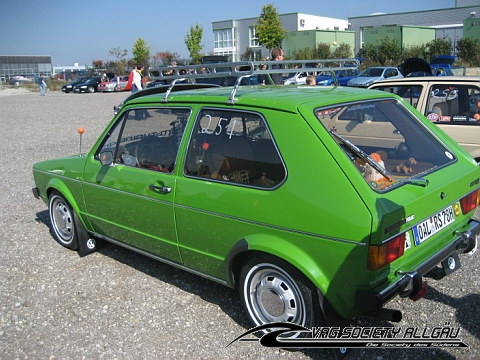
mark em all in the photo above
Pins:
pixel 381 255
pixel 470 202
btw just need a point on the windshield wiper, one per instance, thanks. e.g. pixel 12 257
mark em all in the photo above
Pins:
pixel 363 155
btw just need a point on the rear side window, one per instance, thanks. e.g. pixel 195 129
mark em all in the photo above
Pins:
pixel 384 141
pixel 454 104
pixel 410 93
pixel 234 147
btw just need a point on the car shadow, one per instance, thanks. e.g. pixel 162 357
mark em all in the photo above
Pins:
pixel 467 317
pixel 228 299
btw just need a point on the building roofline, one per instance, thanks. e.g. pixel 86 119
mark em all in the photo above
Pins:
pixel 412 12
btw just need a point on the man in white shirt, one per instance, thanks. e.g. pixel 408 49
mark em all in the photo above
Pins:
pixel 137 78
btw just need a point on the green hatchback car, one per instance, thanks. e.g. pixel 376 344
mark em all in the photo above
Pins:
pixel 318 204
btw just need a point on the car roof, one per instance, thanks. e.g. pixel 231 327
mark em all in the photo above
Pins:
pixel 284 98
pixel 425 79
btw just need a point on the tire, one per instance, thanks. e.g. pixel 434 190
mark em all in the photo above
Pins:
pixel 272 290
pixel 67 228
pixel 90 89
pixel 63 221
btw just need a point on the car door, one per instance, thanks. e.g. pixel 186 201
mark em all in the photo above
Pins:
pixel 129 182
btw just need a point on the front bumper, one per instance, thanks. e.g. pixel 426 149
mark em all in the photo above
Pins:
pixel 411 283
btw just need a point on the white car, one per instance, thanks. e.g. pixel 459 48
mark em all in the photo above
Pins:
pixel 450 102
pixel 299 78
pixel 373 74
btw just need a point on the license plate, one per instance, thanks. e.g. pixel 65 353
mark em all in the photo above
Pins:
pixel 433 225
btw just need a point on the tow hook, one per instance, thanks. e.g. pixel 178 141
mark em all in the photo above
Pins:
pixel 415 288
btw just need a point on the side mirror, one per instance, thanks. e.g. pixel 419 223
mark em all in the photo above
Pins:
pixel 106 158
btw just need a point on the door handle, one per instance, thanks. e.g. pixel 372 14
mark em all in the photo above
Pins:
pixel 160 189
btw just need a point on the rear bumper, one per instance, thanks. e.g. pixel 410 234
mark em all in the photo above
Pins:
pixel 411 283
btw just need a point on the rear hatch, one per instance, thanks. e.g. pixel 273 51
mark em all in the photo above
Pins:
pixel 414 179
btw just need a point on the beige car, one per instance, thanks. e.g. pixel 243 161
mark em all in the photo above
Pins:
pixel 451 102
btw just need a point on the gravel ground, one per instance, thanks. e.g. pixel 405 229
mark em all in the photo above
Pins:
pixel 114 304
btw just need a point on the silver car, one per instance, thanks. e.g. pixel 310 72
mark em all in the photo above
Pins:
pixel 373 74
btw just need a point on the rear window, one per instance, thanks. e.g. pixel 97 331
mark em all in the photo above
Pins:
pixel 385 142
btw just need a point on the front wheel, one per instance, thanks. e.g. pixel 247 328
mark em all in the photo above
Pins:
pixel 274 291
pixel 62 220
pixel 67 227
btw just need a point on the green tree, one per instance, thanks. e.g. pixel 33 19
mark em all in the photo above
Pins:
pixel 389 52
pixel 193 41
pixel 342 51
pixel 141 52
pixel 469 51
pixel 438 47
pixel 268 29
pixel 414 51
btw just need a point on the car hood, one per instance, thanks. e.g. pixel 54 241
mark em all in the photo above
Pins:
pixel 414 65
pixel 361 80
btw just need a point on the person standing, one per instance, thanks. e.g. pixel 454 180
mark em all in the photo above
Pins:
pixel 277 55
pixel 42 85
pixel 137 78
pixel 137 85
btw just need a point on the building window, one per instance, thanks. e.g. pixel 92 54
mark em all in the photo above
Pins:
pixel 223 38
pixel 253 39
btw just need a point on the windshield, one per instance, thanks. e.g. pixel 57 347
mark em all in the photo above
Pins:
pixel 370 72
pixel 387 144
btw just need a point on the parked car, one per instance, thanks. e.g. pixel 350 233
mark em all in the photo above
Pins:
pixel 300 78
pixel 118 83
pixel 442 65
pixel 69 86
pixel 19 80
pixel 450 102
pixel 369 199
pixel 342 76
pixel 372 74
pixel 90 85
pixel 439 66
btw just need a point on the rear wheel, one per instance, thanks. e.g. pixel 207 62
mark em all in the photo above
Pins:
pixel 91 89
pixel 274 291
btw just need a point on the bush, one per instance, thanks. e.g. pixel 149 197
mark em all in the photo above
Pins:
pixel 438 47
pixel 469 51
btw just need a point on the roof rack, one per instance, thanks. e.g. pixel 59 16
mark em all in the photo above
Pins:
pixel 244 69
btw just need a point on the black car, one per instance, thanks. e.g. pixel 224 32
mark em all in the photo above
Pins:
pixel 90 85
pixel 69 86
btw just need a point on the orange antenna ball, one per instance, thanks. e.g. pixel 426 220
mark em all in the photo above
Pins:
pixel 81 130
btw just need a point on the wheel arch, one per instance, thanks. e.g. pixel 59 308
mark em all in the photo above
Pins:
pixel 279 248
pixel 56 185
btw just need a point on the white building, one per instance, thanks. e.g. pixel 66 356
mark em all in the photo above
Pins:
pixel 235 37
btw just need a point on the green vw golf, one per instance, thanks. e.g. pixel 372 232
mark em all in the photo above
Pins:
pixel 319 204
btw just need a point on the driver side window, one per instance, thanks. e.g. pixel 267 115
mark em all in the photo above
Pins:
pixel 146 138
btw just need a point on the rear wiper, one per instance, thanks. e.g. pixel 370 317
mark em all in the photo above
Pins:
pixel 418 181
pixel 363 155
